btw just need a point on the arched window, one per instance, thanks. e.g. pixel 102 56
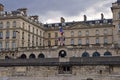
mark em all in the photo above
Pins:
pixel 32 56
pixel 41 55
pixel 23 56
pixel 14 23
pixel 96 54
pixel 85 54
pixel 62 54
pixel 107 53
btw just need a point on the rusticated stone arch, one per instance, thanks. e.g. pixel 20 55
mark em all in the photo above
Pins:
pixel 96 54
pixel 23 56
pixel 41 55
pixel 107 53
pixel 62 53
pixel 32 56
pixel 85 54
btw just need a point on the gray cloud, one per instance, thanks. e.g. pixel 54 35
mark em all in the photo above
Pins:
pixel 55 8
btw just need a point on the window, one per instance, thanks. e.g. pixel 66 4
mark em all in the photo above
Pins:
pixel 79 41
pixel 105 31
pixel 56 34
pixel 72 41
pixel 87 33
pixel 1 35
pixel 14 34
pixel 1 25
pixel 37 31
pixel 97 40
pixel 40 33
pixel 79 33
pixel 119 15
pixel 7 45
pixel 97 32
pixel 72 33
pixel 49 43
pixel 13 44
pixel 23 25
pixel 8 24
pixel 56 42
pixel 119 27
pixel 14 23
pixel 0 45
pixel 105 21
pixel 7 34
pixel 87 41
pixel 65 70
pixel 105 41
pixel 22 35
pixel 49 35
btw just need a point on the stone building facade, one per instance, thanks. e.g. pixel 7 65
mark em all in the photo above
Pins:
pixel 23 37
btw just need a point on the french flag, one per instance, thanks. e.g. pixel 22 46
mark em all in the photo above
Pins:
pixel 61 31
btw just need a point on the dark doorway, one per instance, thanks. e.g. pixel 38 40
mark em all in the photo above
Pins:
pixel 62 54
pixel 32 56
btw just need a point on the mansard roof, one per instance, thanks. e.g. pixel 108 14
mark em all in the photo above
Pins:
pixel 104 21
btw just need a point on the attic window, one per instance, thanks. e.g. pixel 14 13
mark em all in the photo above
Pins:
pixel 105 21
pixel 49 25
pixel 56 25
pixel 97 22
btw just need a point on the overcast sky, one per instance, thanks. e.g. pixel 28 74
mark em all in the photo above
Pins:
pixel 50 11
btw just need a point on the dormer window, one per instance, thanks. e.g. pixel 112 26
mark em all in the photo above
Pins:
pixel 105 21
pixel 97 22
pixel 56 25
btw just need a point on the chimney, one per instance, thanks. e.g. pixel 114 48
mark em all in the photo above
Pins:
pixel 102 16
pixel 35 17
pixel 24 10
pixel 1 7
pixel 85 18
pixel 62 20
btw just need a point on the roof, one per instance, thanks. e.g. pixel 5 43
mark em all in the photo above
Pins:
pixel 104 21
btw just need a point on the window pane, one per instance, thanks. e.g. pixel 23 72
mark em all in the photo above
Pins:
pixel 13 44
pixel 14 23
pixel 8 24
pixel 79 33
pixel 72 33
pixel 7 44
pixel 0 45
pixel 14 34
pixel 1 35
pixel 7 34
pixel 1 25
